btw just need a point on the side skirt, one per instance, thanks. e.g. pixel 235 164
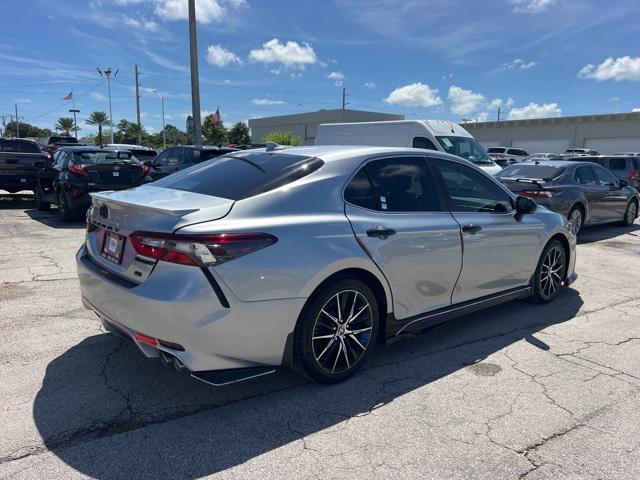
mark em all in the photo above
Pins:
pixel 396 329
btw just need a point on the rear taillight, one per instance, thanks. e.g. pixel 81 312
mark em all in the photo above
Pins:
pixel 77 169
pixel 633 175
pixel 145 170
pixel 199 250
pixel 90 225
pixel 536 193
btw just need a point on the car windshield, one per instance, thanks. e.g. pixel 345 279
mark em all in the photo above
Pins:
pixel 241 175
pixel 465 147
pixel 103 157
pixel 495 150
pixel 545 172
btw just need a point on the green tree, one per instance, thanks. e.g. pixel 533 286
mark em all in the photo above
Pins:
pixel 239 134
pixel 174 135
pixel 214 133
pixel 283 138
pixel 189 129
pixel 65 124
pixel 26 130
pixel 99 119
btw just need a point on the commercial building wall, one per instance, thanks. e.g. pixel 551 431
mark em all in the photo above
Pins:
pixel 604 133
pixel 305 125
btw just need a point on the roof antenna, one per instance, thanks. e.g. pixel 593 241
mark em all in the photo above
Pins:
pixel 451 125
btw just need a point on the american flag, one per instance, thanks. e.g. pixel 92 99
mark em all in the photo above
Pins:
pixel 68 97
pixel 215 117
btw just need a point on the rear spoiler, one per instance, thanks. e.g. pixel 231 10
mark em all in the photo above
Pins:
pixel 168 211
pixel 540 182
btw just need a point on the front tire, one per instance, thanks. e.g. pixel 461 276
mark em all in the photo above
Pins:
pixel 576 219
pixel 40 203
pixel 337 331
pixel 66 213
pixel 550 273
pixel 630 214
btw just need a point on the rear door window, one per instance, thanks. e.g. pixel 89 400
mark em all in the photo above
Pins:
pixel 27 147
pixel 241 175
pixel 584 175
pixel 359 192
pixel 618 164
pixel 605 177
pixel 423 142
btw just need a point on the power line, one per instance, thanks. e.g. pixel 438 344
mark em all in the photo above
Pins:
pixel 31 119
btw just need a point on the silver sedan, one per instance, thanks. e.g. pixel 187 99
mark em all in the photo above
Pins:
pixel 307 257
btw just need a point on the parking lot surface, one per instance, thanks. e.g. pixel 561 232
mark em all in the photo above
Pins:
pixel 517 391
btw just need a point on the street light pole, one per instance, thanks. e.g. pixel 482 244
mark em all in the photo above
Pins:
pixel 75 123
pixel 107 73
pixel 164 134
pixel 195 82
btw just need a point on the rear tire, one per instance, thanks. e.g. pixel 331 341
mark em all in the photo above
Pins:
pixel 66 213
pixel 550 273
pixel 337 331
pixel 40 203
pixel 576 219
pixel 630 213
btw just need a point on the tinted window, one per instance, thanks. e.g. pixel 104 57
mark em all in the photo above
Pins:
pixel 174 157
pixel 102 156
pixel 515 151
pixel 7 146
pixel 403 185
pixel 472 191
pixel 545 172
pixel 605 177
pixel 207 154
pixel 466 148
pixel 360 192
pixel 423 142
pixel 161 159
pixel 584 175
pixel 495 150
pixel 27 147
pixel 56 140
pixel 618 163
pixel 241 175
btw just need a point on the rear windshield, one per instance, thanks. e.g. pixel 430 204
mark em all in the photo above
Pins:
pixel 545 172
pixel 145 153
pixel 20 146
pixel 57 140
pixel 241 175
pixel 495 150
pixel 466 148
pixel 102 157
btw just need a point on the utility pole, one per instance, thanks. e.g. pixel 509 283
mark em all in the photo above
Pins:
pixel 75 123
pixel 195 81
pixel 107 73
pixel 498 114
pixel 164 134
pixel 138 103
pixel 17 122
pixel 344 98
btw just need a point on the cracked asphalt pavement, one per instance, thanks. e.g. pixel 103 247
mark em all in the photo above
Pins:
pixel 517 391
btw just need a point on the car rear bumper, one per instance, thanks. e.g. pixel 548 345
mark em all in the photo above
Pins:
pixel 177 305
pixel 20 180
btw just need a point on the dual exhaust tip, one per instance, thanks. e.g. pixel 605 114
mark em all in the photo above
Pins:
pixel 169 360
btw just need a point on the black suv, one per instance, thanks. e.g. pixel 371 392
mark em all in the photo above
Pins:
pixel 178 158
pixel 67 179
pixel 17 157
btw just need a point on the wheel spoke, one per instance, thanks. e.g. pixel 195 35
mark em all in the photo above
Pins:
pixel 339 308
pixel 355 339
pixel 333 369
pixel 344 350
pixel 325 349
pixel 321 337
pixel 352 319
pixel 334 319
pixel 360 330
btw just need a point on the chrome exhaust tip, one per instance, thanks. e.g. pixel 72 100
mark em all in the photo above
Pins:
pixel 179 366
pixel 167 360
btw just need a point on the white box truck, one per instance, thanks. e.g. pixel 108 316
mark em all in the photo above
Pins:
pixel 441 135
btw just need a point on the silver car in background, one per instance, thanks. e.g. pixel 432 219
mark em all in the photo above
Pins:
pixel 307 257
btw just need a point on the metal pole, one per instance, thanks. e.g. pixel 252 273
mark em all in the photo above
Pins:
pixel 17 123
pixel 108 73
pixel 164 133
pixel 138 103
pixel 75 123
pixel 498 114
pixel 195 83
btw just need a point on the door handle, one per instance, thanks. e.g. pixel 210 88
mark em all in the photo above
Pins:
pixel 471 228
pixel 380 232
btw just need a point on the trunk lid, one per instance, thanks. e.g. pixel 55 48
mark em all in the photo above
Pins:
pixel 116 174
pixel 147 208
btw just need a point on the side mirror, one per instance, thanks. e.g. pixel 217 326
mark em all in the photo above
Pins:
pixel 624 183
pixel 525 205
pixel 38 164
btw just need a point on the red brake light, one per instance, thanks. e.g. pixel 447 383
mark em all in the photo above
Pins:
pixel 536 193
pixel 633 174
pixel 77 169
pixel 146 339
pixel 199 250
pixel 145 170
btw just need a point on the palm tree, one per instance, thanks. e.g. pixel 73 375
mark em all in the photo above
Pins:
pixel 136 131
pixel 100 119
pixel 65 124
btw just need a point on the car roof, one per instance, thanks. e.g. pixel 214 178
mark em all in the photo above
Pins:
pixel 559 163
pixel 89 148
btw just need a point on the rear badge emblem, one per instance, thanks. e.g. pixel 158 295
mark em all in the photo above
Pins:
pixel 104 212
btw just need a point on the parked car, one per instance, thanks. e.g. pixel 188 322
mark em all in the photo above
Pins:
pixel 16 164
pixel 624 167
pixel 144 154
pixel 51 144
pixel 306 257
pixel 627 154
pixel 543 156
pixel 178 158
pixel 439 135
pixel 73 173
pixel 584 192
pixel 505 156
pixel 579 152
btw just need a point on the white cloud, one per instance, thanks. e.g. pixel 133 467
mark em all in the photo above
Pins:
pixel 495 104
pixel 622 68
pixel 207 11
pixel 267 101
pixel 22 100
pixel 221 57
pixel 533 110
pixel 290 54
pixel 636 110
pixel 140 24
pixel 518 64
pixel 337 76
pixel 369 85
pixel 510 102
pixel 531 6
pixel 98 96
pixel 464 102
pixel 414 95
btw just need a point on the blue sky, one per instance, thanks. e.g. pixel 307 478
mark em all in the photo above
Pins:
pixel 426 59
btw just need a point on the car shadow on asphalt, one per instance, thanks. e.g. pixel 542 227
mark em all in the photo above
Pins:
pixel 51 219
pixel 598 233
pixel 108 412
